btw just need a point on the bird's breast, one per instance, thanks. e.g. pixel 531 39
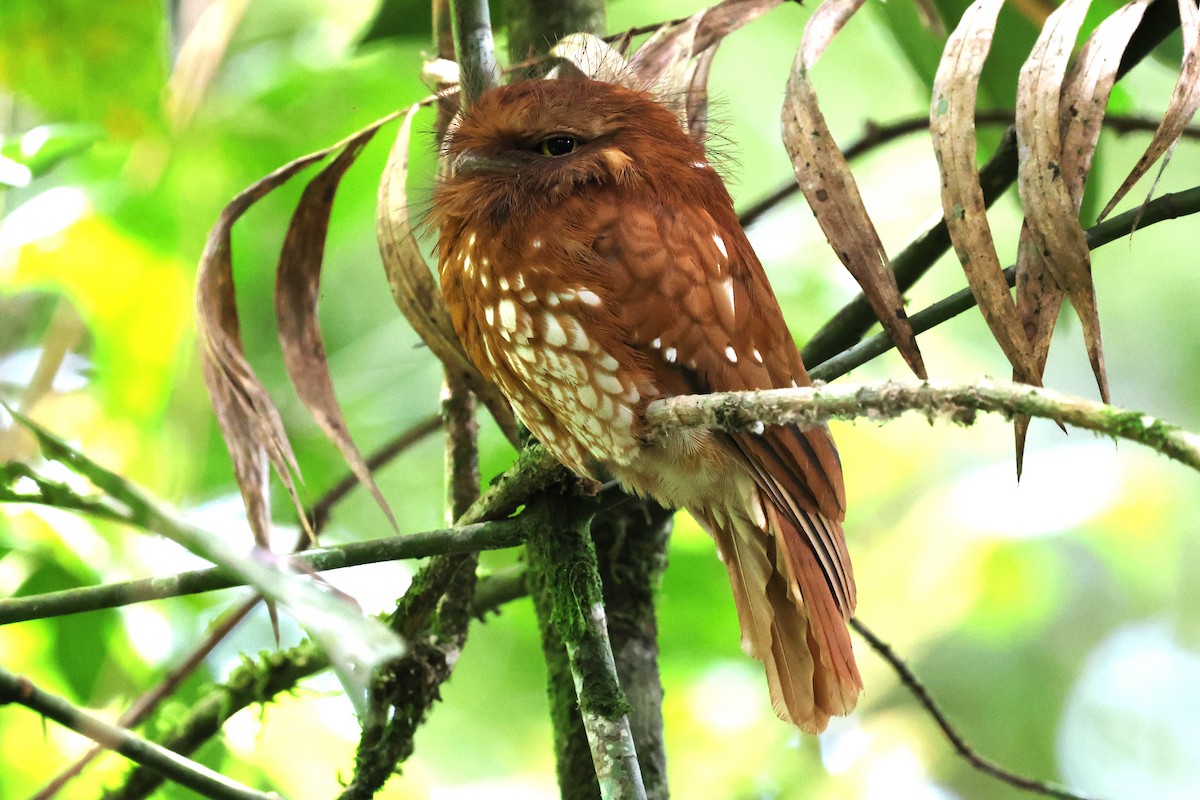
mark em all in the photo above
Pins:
pixel 543 334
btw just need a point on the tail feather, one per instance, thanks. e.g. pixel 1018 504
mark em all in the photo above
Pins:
pixel 789 618
pixel 837 684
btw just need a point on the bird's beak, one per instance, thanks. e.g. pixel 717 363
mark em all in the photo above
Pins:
pixel 470 163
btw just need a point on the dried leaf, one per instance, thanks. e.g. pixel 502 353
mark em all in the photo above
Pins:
pixel 592 57
pixel 297 287
pixel 1180 110
pixel 952 125
pixel 249 421
pixel 1085 94
pixel 830 189
pixel 665 61
pixel 725 18
pixel 672 46
pixel 1051 216
pixel 823 25
pixel 413 287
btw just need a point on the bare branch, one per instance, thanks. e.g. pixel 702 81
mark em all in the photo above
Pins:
pixel 918 691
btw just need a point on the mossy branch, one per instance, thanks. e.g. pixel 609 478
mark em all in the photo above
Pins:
pixel 957 402
pixel 564 570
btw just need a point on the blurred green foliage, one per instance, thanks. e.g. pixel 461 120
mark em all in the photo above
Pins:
pixel 999 595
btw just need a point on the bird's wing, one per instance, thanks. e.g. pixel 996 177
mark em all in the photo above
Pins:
pixel 694 301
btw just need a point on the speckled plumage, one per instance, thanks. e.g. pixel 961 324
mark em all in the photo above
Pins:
pixel 586 285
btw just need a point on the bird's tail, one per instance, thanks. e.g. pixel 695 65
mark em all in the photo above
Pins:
pixel 789 617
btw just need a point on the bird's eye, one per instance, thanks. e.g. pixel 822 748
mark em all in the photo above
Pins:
pixel 559 145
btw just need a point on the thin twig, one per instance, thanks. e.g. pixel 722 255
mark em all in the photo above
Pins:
pixel 465 539
pixel 199 778
pixel 911 682
pixel 149 700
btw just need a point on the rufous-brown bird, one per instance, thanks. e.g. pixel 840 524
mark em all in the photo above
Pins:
pixel 592 263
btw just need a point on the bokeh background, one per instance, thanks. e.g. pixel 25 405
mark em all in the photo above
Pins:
pixel 1057 621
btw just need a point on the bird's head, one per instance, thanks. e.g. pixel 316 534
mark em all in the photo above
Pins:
pixel 527 145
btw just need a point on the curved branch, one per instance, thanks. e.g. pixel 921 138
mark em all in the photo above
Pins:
pixel 977 761
pixel 957 402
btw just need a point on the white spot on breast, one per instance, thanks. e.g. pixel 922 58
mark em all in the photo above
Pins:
pixel 669 355
pixel 483 280
pixel 466 262
pixel 757 355
pixel 503 283
pixel 518 280
pixel 537 244
pixel 607 362
pixel 471 240
pixel 624 417
pixel 578 337
pixel 699 165
pixel 589 297
pixel 555 336
pixel 720 243
pixel 609 383
pixel 552 300
pixel 489 314
pixel 730 353
pixel 587 396
pixel 518 364
pixel 508 314
pixel 606 408
pixel 657 343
